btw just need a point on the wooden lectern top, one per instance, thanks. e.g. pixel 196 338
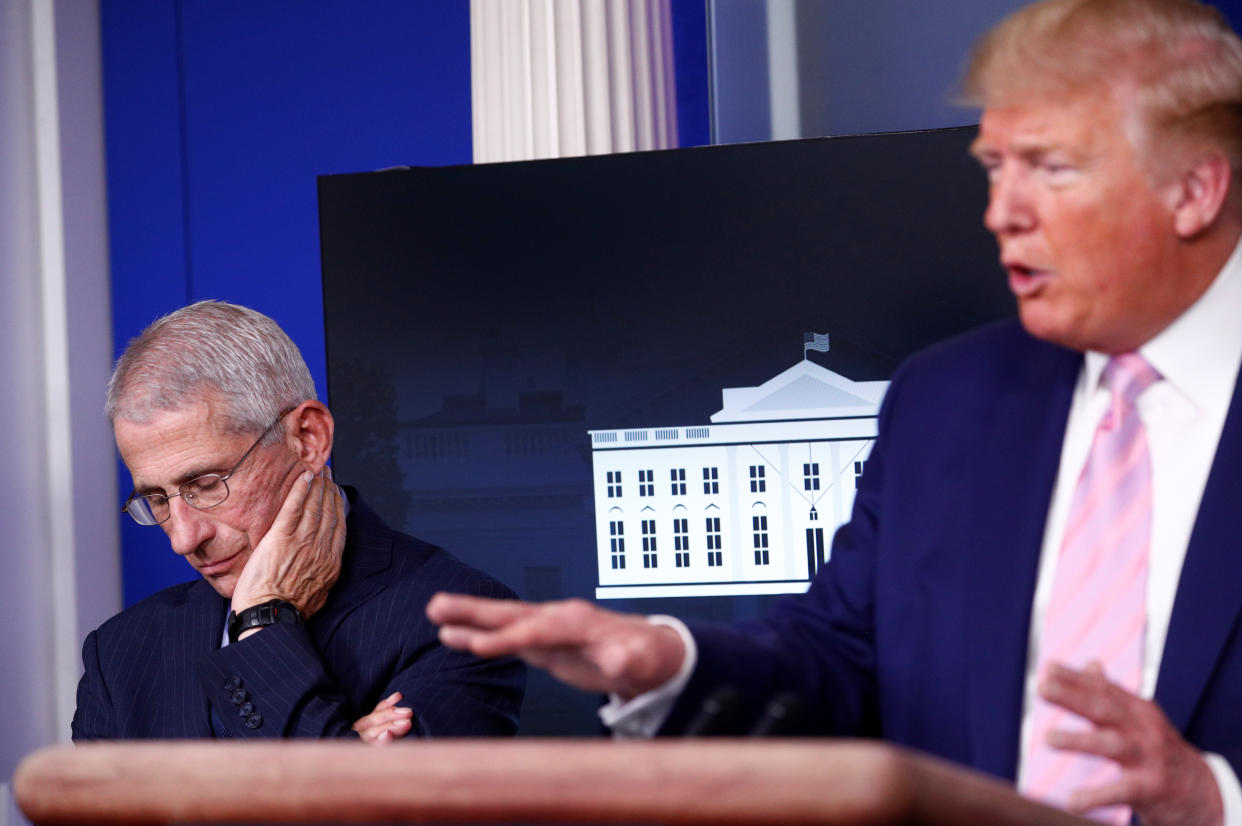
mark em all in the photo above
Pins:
pixel 703 781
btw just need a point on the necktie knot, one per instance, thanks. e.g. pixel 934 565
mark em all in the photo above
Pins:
pixel 1128 375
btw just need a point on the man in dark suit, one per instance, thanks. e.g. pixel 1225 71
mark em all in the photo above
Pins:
pixel 307 621
pixel 1039 575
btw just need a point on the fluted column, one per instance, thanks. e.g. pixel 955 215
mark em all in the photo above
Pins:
pixel 559 78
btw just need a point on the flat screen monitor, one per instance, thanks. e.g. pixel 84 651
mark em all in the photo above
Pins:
pixel 647 379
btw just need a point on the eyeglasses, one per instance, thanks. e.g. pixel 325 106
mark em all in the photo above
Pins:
pixel 201 492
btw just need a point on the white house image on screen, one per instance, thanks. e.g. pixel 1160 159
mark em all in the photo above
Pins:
pixel 744 505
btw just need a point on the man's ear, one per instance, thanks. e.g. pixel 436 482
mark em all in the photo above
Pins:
pixel 1200 194
pixel 308 432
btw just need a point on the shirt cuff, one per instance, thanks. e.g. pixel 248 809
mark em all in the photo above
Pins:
pixel 1227 784
pixel 642 716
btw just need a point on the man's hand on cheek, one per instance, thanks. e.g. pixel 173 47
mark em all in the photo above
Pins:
pixel 299 558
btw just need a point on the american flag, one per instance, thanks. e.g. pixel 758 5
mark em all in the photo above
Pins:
pixel 814 341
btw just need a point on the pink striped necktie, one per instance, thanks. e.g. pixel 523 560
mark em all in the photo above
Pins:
pixel 1098 609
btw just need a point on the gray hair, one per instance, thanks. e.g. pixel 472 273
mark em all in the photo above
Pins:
pixel 211 346
pixel 1180 58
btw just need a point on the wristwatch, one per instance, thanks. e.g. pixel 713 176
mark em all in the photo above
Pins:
pixel 265 613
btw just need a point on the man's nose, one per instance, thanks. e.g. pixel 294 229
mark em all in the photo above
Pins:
pixel 1009 205
pixel 187 527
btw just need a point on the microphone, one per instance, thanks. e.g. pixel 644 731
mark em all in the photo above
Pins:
pixel 716 714
pixel 780 717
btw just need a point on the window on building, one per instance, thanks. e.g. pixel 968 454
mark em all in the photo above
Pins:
pixel 614 484
pixel 711 480
pixel 646 483
pixel 678 477
pixel 649 543
pixel 810 476
pixel 758 484
pixel 681 542
pixel 759 526
pixel 715 557
pixel 616 532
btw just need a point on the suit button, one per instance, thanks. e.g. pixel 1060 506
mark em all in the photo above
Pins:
pixel 254 721
pixel 240 696
pixel 245 709
pixel 232 683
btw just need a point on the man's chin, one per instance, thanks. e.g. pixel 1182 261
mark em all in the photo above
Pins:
pixel 224 583
pixel 1042 324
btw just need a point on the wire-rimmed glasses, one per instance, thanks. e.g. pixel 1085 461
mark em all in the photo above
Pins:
pixel 201 492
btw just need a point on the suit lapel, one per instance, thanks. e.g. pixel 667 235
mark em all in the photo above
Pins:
pixel 1208 600
pixel 191 632
pixel 1017 458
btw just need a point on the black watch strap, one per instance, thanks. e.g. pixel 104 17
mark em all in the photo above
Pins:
pixel 265 613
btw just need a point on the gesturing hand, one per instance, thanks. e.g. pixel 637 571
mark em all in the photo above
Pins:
pixel 386 723
pixel 1163 778
pixel 582 645
pixel 299 558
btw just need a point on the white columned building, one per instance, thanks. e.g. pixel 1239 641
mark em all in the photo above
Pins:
pixel 744 504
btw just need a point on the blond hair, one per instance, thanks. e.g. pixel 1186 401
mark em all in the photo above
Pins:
pixel 1179 59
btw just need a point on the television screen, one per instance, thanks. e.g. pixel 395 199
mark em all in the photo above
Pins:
pixel 647 379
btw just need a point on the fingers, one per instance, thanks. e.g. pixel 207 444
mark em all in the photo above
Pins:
pixel 386 722
pixel 299 557
pixel 1087 693
pixel 1117 793
pixel 1109 743
pixel 293 509
pixel 500 630
pixel 578 643
pixel 311 500
pixel 1162 777
pixel 385 732
pixel 476 612
pixel 338 508
pixel 388 702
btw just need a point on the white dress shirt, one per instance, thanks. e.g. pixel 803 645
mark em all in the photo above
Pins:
pixel 1198 357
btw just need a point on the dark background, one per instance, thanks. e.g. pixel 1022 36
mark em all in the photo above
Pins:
pixel 481 319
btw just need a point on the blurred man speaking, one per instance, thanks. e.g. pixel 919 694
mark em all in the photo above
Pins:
pixel 1039 575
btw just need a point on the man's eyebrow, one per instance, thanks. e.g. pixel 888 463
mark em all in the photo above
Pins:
pixel 193 473
pixel 978 149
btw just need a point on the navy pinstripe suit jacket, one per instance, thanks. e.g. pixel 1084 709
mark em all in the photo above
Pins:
pixel 157 668
pixel 916 630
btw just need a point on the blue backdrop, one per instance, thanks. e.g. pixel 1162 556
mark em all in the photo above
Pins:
pixel 220 114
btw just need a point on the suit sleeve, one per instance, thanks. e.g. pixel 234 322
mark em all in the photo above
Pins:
pixel 94 718
pixel 819 645
pixel 275 683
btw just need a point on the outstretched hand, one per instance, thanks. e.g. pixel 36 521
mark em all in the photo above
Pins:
pixel 587 647
pixel 386 723
pixel 299 558
pixel 1163 778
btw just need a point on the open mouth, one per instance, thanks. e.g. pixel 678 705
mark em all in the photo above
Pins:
pixel 1025 281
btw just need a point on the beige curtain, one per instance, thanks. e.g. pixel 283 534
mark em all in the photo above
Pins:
pixel 562 78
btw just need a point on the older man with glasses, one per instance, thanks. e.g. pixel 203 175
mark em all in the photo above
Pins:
pixel 309 622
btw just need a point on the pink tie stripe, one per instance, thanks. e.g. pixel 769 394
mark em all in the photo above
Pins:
pixel 1098 611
